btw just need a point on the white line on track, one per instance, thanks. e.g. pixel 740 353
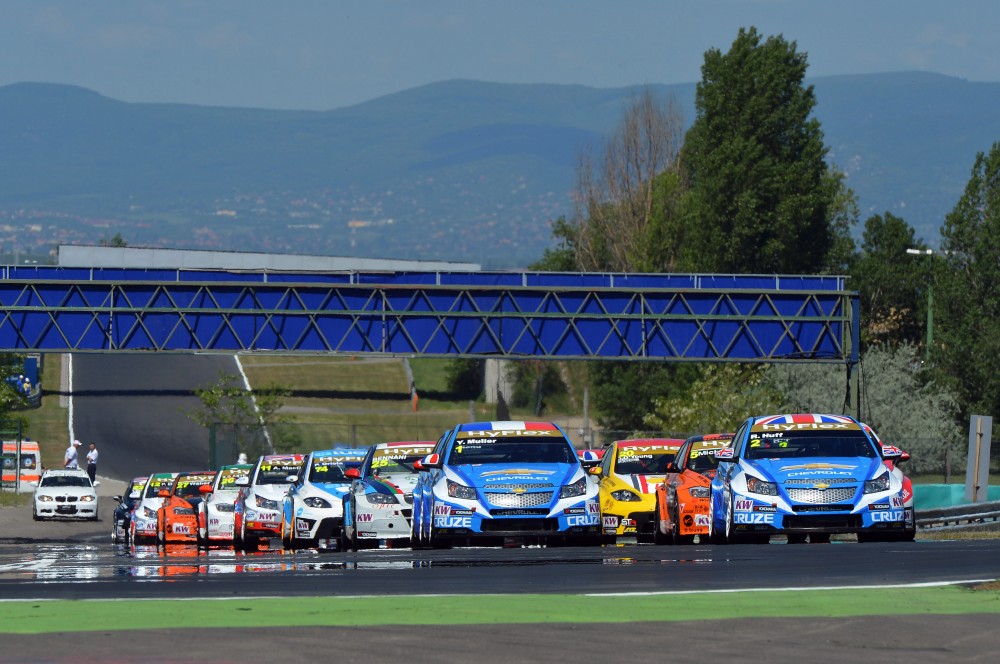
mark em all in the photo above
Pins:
pixel 926 584
pixel 929 584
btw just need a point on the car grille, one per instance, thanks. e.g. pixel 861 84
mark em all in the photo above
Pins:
pixel 66 499
pixel 533 499
pixel 814 480
pixel 525 511
pixel 526 487
pixel 835 495
pixel 519 525
pixel 819 521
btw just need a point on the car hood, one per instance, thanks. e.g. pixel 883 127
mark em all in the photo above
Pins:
pixel 641 483
pixel 483 476
pixel 401 482
pixel 335 489
pixel 272 491
pixel 65 491
pixel 848 469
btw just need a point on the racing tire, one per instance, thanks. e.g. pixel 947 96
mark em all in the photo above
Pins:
pixel 675 533
pixel 286 538
pixel 438 542
pixel 659 537
pixel 34 515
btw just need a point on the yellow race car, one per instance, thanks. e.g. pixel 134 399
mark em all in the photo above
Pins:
pixel 629 474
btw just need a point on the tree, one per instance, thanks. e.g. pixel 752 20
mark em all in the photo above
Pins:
pixel 719 400
pixel 624 392
pixel 967 336
pixel 754 160
pixel 922 423
pixel 247 416
pixel 116 241
pixel 891 283
pixel 628 193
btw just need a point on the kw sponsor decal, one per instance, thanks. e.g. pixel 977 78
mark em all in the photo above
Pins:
pixel 742 505
pixel 584 520
pixel 442 510
pixel 452 522
pixel 897 501
pixel 752 517
pixel 593 507
pixel 888 515
pixel 365 517
pixel 301 527
pixel 701 520
pixel 610 521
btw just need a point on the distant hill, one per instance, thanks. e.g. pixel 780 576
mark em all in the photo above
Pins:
pixel 459 170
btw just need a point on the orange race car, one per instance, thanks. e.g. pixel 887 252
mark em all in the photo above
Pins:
pixel 177 518
pixel 682 501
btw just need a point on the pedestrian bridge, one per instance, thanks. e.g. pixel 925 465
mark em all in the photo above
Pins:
pixel 661 317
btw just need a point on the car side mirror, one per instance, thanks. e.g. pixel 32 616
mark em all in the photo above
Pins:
pixel 892 453
pixel 205 488
pixel 725 454
pixel 594 470
pixel 242 481
pixel 432 461
pixel 589 458
pixel 117 499
pixel 353 473
pixel 291 478
pixel 163 493
pixel 32 483
pixel 671 467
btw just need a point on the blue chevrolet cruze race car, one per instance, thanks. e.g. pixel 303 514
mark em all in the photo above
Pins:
pixel 493 482
pixel 805 475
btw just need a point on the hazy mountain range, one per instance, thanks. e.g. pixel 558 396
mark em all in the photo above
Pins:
pixel 459 170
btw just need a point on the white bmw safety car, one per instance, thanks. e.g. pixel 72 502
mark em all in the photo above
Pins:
pixel 313 513
pixel 64 494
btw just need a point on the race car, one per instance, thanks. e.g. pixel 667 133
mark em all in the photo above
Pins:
pixel 509 481
pixel 260 502
pixel 218 519
pixel 124 508
pixel 142 528
pixel 177 518
pixel 682 501
pixel 804 474
pixel 379 503
pixel 313 511
pixel 64 494
pixel 629 474
pixel 910 517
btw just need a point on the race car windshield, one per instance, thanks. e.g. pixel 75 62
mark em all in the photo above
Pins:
pixel 807 444
pixel 512 450
pixel 703 460
pixel 65 480
pixel 390 464
pixel 186 489
pixel 155 488
pixel 643 463
pixel 329 472
pixel 276 474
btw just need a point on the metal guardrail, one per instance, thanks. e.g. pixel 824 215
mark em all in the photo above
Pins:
pixel 972 516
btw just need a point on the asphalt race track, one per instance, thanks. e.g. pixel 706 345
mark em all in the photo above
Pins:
pixel 100 570
pixel 132 405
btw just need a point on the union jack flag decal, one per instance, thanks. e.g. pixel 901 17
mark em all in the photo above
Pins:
pixel 805 418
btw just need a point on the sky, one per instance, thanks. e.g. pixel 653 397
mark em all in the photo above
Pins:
pixel 327 54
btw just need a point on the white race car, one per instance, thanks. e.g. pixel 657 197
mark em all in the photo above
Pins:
pixel 313 513
pixel 379 505
pixel 144 524
pixel 64 494
pixel 218 520
pixel 260 502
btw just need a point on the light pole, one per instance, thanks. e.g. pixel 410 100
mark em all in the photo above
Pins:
pixel 930 296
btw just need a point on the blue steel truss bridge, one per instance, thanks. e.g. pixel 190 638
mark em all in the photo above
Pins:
pixel 642 317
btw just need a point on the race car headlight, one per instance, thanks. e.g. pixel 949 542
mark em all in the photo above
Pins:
pixel 45 499
pixel 87 499
pixel 266 503
pixel 700 492
pixel 224 507
pixel 317 502
pixel 625 495
pixel 880 483
pixel 149 512
pixel 757 485
pixel 577 488
pixel 456 490
pixel 381 498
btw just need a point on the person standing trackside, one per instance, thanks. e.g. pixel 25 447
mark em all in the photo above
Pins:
pixel 72 458
pixel 92 462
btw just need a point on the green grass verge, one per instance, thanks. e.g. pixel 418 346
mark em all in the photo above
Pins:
pixel 35 617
